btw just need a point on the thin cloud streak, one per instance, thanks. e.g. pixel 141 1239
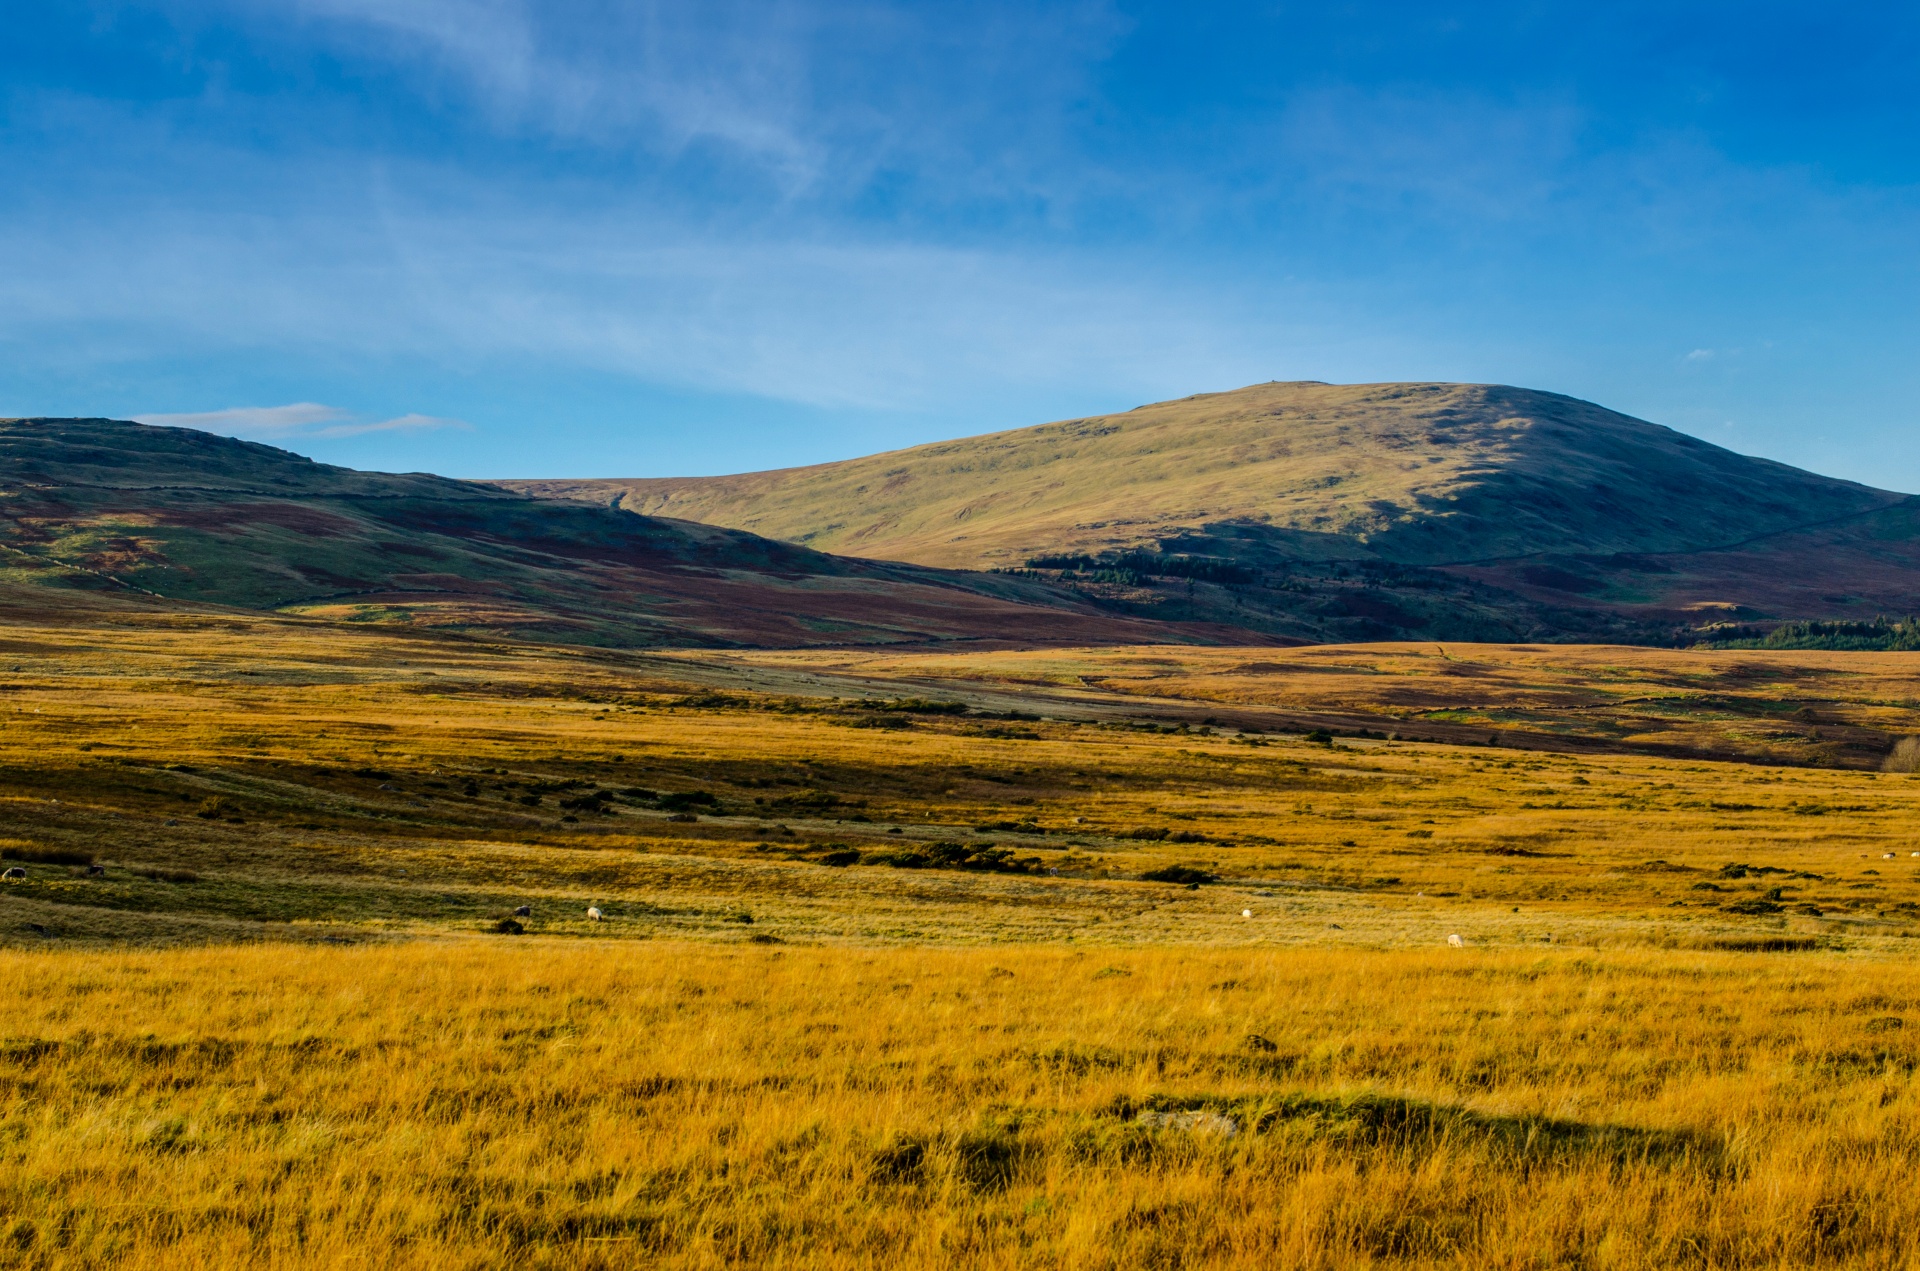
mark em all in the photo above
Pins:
pixel 294 421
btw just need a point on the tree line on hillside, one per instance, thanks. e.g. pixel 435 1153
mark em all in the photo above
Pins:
pixel 1902 635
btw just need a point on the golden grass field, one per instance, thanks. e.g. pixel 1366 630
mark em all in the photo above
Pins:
pixel 886 987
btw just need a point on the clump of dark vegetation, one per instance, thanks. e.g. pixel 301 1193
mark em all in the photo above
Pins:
pixel 46 855
pixel 1739 870
pixel 912 706
pixel 594 801
pixel 1133 568
pixel 686 801
pixel 160 875
pixel 710 702
pixel 982 858
pixel 1001 733
pixel 1159 834
pixel 1902 635
pixel 811 801
pixel 1185 875
pixel 509 927
pixel 1764 944
pixel 901 1161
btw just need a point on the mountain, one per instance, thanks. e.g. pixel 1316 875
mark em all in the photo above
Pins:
pixel 171 516
pixel 1361 511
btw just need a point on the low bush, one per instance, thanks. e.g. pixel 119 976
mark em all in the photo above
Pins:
pixel 1184 874
pixel 46 855
pixel 985 858
pixel 159 875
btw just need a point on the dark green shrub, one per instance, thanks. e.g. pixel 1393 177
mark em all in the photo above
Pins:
pixel 46 855
pixel 1184 874
pixel 169 875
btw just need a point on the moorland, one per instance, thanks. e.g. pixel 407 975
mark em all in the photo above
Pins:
pixel 438 874
pixel 993 959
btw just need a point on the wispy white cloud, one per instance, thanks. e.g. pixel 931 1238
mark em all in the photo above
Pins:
pixel 294 421
pixel 252 421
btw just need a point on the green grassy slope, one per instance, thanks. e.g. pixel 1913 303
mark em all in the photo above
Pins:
pixel 167 515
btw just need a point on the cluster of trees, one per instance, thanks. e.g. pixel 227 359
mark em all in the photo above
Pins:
pixel 1133 567
pixel 1880 634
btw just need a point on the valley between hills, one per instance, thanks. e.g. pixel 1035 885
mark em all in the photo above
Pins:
pixel 587 875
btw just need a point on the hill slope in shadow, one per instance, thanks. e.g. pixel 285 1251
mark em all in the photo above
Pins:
pixel 1352 512
pixel 172 516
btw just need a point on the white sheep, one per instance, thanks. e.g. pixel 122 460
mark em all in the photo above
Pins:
pixel 595 914
pixel 1456 942
pixel 1246 913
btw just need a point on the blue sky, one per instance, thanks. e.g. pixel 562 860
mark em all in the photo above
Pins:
pixel 575 238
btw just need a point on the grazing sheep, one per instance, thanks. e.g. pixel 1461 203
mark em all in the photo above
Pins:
pixel 524 911
pixel 15 875
pixel 1246 913
pixel 1456 942
pixel 596 915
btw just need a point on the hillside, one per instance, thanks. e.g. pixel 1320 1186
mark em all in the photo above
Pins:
pixel 176 517
pixel 1352 511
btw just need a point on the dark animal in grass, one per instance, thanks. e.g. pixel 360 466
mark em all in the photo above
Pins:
pixel 524 911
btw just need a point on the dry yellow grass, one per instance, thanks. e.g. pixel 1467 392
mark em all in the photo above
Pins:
pixel 1829 709
pixel 1679 1030
pixel 553 1105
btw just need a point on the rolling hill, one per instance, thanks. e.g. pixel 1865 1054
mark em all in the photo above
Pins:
pixel 174 517
pixel 1368 511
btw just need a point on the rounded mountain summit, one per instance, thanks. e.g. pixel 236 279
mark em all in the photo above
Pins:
pixel 1433 475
